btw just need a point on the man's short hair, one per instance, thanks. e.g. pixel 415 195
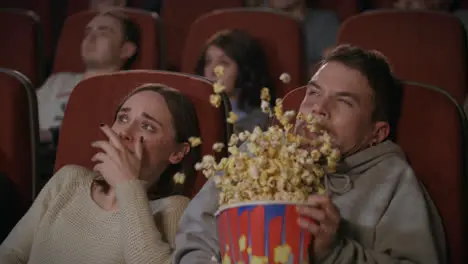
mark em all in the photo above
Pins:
pixel 387 89
pixel 130 30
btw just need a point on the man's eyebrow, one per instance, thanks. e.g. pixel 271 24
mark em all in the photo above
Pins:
pixel 351 95
pixel 314 84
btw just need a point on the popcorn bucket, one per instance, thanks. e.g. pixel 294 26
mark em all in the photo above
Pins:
pixel 262 232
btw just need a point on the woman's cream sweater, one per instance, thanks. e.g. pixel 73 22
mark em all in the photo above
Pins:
pixel 64 225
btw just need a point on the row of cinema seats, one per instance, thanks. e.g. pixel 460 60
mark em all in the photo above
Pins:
pixel 177 16
pixel 285 52
pixel 428 47
pixel 432 132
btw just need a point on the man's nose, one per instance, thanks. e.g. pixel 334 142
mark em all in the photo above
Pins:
pixel 319 109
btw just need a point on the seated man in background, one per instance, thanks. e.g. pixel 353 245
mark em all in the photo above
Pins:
pixel 376 210
pixel 320 26
pixel 102 5
pixel 110 44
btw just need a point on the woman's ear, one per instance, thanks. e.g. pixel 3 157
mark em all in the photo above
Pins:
pixel 177 156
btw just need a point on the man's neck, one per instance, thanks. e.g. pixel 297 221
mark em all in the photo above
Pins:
pixel 94 72
pixel 106 200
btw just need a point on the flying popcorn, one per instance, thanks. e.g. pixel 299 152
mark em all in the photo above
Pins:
pixel 219 71
pixel 179 178
pixel 272 165
pixel 215 100
pixel 232 118
pixel 218 147
pixel 285 77
pixel 218 87
pixel 195 141
pixel 265 94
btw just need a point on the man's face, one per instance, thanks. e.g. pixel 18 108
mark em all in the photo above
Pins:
pixel 422 4
pixel 102 5
pixel 103 42
pixel 343 98
pixel 292 7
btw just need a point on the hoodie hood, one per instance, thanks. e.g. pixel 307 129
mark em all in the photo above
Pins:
pixel 352 166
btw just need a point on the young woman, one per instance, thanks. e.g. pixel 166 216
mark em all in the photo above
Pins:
pixel 104 215
pixel 245 74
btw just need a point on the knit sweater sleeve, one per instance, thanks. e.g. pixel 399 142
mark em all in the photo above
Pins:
pixel 141 239
pixel 16 247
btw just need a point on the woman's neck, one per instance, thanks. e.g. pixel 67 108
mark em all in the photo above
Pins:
pixel 106 200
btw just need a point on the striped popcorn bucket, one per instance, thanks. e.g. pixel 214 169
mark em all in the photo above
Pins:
pixel 262 232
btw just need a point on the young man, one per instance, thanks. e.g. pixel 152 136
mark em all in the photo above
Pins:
pixel 110 44
pixel 377 211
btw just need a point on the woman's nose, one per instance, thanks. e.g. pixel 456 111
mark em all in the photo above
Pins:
pixel 126 134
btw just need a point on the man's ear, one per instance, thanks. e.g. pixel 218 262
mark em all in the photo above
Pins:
pixel 381 132
pixel 128 50
pixel 177 156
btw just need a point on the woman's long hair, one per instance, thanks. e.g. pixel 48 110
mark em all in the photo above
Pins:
pixel 251 63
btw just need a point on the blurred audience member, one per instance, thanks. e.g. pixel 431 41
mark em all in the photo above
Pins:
pixel 153 5
pixel 102 5
pixel 422 4
pixel 440 5
pixel 255 3
pixel 245 74
pixel 321 27
pixel 110 44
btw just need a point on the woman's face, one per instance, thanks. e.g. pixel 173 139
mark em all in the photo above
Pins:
pixel 146 114
pixel 216 57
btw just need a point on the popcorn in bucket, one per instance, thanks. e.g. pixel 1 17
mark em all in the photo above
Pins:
pixel 262 182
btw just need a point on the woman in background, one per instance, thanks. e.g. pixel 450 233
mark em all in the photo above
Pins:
pixel 245 74
pixel 104 216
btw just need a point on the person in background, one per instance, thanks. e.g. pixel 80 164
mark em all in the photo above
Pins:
pixel 320 28
pixel 376 210
pixel 103 5
pixel 110 44
pixel 436 5
pixel 153 5
pixel 441 5
pixel 105 215
pixel 245 74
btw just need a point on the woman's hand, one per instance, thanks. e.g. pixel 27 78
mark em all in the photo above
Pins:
pixel 116 163
pixel 321 218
